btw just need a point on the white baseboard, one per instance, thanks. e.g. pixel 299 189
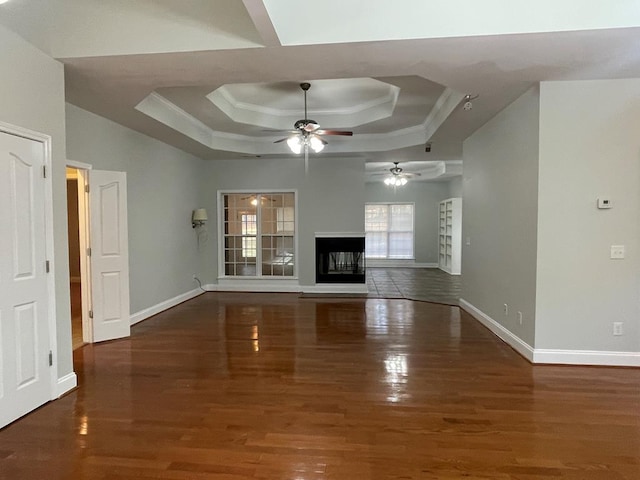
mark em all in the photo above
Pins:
pixel 357 288
pixel 515 342
pixel 66 384
pixel 162 306
pixel 399 264
pixel 587 357
pixel 282 287
pixel 259 285
pixel 553 356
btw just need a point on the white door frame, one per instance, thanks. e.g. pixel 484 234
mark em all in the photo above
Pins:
pixel 48 220
pixel 85 243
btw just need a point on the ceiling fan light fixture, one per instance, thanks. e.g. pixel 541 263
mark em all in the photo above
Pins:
pixel 295 144
pixel 395 181
pixel 316 144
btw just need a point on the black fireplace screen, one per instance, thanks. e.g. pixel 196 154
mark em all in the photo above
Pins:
pixel 340 260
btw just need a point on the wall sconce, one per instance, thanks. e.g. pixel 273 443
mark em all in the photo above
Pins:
pixel 199 217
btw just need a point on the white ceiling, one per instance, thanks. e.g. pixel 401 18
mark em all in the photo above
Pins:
pixel 156 65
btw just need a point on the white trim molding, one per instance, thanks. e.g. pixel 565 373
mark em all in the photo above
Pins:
pixel 384 263
pixel 339 234
pixel 552 356
pixel 586 357
pixel 515 342
pixel 227 285
pixel 162 306
pixel 79 165
pixel 66 384
pixel 247 284
pixel 337 288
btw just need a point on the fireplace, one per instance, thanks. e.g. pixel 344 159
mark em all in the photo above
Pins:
pixel 340 260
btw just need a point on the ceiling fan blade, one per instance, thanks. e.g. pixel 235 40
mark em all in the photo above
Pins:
pixel 281 140
pixel 334 132
pixel 278 131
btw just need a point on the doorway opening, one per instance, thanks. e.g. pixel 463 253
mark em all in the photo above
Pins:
pixel 78 265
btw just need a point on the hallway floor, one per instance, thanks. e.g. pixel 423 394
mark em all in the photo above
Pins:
pixel 424 284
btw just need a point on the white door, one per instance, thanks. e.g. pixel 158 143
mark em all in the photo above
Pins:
pixel 109 255
pixel 25 376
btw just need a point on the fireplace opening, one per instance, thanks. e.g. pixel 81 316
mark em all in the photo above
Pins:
pixel 340 260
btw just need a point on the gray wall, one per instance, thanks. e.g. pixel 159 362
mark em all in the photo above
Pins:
pixel 32 96
pixel 589 147
pixel 426 196
pixel 499 216
pixel 163 189
pixel 327 201
pixel 455 187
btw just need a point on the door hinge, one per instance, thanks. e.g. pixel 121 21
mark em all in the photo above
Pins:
pixel 44 171
pixel 47 266
pixel 50 358
pixel 90 313
pixel 89 252
pixel 86 189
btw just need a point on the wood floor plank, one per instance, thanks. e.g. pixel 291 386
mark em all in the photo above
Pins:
pixel 272 386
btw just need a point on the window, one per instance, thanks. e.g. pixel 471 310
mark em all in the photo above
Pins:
pixel 249 231
pixel 389 230
pixel 259 234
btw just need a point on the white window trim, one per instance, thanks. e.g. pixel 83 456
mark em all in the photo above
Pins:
pixel 387 259
pixel 259 276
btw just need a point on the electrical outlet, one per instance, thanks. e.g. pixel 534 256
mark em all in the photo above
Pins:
pixel 520 318
pixel 617 329
pixel 505 308
pixel 617 252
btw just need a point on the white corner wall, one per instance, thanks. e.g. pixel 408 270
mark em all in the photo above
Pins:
pixel 426 196
pixel 499 219
pixel 163 189
pixel 32 96
pixel 589 148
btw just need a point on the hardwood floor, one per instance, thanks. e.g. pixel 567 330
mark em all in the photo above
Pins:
pixel 271 386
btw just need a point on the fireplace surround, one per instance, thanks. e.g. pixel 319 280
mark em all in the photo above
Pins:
pixel 340 259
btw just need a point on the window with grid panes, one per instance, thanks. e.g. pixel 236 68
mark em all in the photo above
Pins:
pixel 389 230
pixel 259 234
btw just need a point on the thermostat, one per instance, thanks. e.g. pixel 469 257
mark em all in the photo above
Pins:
pixel 604 202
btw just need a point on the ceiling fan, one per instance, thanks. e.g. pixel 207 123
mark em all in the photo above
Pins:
pixel 307 133
pixel 253 200
pixel 398 176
